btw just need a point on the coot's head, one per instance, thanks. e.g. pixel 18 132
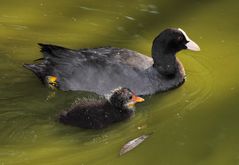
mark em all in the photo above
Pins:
pixel 173 40
pixel 124 98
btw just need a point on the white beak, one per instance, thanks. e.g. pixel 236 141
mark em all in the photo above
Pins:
pixel 190 45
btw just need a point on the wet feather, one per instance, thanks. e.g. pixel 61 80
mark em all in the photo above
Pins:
pixel 132 144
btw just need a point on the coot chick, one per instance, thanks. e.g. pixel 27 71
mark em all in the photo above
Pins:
pixel 97 114
pixel 102 69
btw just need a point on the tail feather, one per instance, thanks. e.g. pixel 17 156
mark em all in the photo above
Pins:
pixel 38 69
pixel 49 50
pixel 39 59
pixel 52 55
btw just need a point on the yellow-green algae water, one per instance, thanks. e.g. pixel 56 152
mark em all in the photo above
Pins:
pixel 197 123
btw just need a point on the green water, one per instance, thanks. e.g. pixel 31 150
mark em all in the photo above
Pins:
pixel 194 124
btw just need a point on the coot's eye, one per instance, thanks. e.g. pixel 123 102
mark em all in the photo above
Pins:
pixel 130 97
pixel 180 38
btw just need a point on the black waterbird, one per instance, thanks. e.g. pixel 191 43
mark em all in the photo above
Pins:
pixel 102 69
pixel 100 113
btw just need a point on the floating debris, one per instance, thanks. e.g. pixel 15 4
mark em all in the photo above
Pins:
pixel 130 18
pixel 132 144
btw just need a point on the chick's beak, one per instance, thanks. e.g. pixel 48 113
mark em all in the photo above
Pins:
pixel 137 99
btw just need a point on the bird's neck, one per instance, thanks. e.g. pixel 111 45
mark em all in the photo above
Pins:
pixel 165 62
pixel 117 107
pixel 118 114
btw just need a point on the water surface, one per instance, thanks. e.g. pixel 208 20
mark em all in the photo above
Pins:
pixel 194 124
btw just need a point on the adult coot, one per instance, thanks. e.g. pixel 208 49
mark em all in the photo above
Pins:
pixel 99 113
pixel 105 68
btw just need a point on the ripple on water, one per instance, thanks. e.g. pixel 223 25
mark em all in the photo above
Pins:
pixel 176 103
pixel 197 88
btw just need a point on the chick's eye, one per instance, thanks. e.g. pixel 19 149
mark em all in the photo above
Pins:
pixel 130 97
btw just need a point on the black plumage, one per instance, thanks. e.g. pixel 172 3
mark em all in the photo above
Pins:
pixel 100 113
pixel 102 69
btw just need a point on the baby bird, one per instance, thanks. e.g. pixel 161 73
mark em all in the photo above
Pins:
pixel 100 113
